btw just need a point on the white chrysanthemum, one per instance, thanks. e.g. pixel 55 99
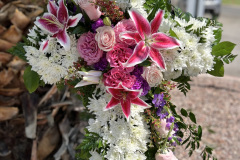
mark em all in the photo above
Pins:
pixel 53 64
pixel 95 156
pixel 123 4
pixel 122 137
pixel 166 25
pixel 138 5
pixel 193 57
pixel 32 35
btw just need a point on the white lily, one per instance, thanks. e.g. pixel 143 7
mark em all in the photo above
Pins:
pixel 91 77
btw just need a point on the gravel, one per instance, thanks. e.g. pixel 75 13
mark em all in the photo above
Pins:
pixel 216 104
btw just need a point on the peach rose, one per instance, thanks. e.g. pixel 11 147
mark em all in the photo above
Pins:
pixel 167 156
pixel 90 8
pixel 106 38
pixel 152 75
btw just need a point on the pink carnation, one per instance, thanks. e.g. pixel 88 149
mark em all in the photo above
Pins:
pixel 116 75
pixel 119 55
pixel 122 26
pixel 88 48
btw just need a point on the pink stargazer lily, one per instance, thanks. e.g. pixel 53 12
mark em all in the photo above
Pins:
pixel 149 42
pixel 125 97
pixel 57 21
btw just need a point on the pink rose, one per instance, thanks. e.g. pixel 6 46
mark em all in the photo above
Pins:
pixel 88 48
pixel 122 26
pixel 106 38
pixel 118 55
pixel 168 156
pixel 90 8
pixel 152 75
pixel 116 75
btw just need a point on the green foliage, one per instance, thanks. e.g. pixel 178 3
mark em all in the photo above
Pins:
pixel 145 63
pixel 172 33
pixel 79 29
pixel 19 51
pixel 152 6
pixel 207 153
pixel 222 52
pixel 31 79
pixel 182 84
pixel 92 141
pixel 192 142
pixel 150 154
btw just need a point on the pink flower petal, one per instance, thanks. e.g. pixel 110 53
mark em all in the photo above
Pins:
pixel 115 92
pixel 156 22
pixel 52 8
pixel 62 14
pixel 73 21
pixel 64 39
pixel 130 35
pixel 112 103
pixel 142 24
pixel 139 55
pixel 134 94
pixel 162 41
pixel 44 46
pixel 47 23
pixel 126 107
pixel 156 56
pixel 140 102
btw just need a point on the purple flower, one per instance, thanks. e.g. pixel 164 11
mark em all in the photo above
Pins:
pixel 158 100
pixel 145 87
pixel 171 119
pixel 102 64
pixel 160 114
pixel 169 138
pixel 168 126
pixel 138 70
pixel 138 84
pixel 179 139
pixel 96 24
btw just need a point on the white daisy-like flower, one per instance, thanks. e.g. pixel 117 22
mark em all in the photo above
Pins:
pixel 52 64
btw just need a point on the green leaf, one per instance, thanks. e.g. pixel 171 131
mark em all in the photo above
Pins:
pixel 223 48
pixel 173 34
pixel 218 35
pixel 79 30
pixel 145 63
pixel 19 51
pixel 183 84
pixel 199 132
pixel 186 140
pixel 150 154
pixel 184 112
pixel 218 69
pixel 229 58
pixel 192 117
pixel 31 79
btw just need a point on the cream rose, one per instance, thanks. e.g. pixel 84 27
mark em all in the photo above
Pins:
pixel 152 75
pixel 106 38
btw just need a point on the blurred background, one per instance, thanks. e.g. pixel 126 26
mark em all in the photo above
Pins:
pixel 48 124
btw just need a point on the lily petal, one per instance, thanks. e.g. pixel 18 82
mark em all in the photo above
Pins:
pixel 52 8
pixel 64 39
pixel 156 22
pixel 92 79
pixel 48 23
pixel 82 83
pixel 126 107
pixel 156 56
pixel 62 14
pixel 112 103
pixel 141 23
pixel 162 41
pixel 115 92
pixel 44 45
pixel 140 102
pixel 139 55
pixel 130 35
pixel 90 73
pixel 134 94
pixel 73 20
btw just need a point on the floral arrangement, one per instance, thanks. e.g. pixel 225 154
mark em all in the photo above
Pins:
pixel 122 58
